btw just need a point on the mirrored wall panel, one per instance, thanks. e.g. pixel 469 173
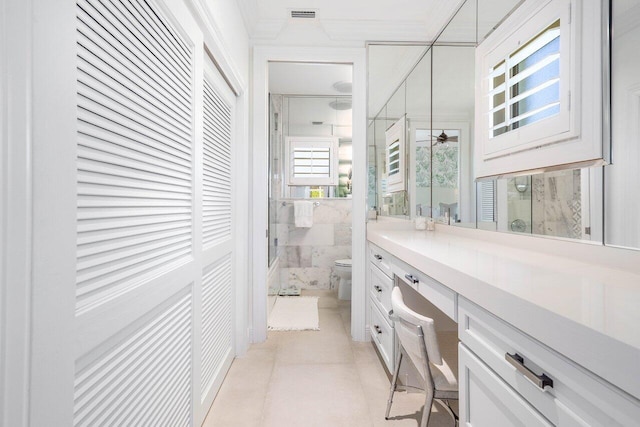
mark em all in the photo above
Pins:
pixel 622 177
pixel 565 204
pixel 436 95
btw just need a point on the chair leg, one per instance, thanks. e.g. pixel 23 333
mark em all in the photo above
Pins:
pixel 426 413
pixel 447 406
pixel 394 384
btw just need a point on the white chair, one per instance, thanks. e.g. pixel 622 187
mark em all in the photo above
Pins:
pixel 417 340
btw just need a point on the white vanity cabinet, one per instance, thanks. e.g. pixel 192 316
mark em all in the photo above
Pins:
pixel 497 360
pixel 379 287
pixel 506 376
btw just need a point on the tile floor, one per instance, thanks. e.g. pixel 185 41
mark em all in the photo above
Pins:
pixel 317 379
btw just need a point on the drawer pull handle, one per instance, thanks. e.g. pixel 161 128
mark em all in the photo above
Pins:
pixel 377 288
pixel 377 328
pixel 378 257
pixel 412 278
pixel 518 362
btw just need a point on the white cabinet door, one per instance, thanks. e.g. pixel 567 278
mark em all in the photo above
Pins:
pixel 486 400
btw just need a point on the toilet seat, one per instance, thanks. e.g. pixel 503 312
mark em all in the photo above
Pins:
pixel 343 263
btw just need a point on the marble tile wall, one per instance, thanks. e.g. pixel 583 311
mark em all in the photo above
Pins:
pixel 557 206
pixel 307 255
pixel 550 205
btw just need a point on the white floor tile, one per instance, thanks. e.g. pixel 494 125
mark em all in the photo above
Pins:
pixel 318 379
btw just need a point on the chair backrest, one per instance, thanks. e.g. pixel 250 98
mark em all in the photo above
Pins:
pixel 407 325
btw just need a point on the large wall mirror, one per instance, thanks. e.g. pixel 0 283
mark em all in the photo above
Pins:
pixel 436 92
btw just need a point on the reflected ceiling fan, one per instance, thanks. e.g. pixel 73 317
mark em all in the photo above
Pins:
pixel 443 138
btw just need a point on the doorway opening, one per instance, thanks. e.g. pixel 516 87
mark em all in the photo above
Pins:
pixel 310 184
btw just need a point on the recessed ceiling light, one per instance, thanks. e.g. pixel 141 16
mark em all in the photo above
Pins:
pixel 343 87
pixel 340 104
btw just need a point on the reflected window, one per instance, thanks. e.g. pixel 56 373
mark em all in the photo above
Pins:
pixel 487 201
pixel 313 161
pixel 525 87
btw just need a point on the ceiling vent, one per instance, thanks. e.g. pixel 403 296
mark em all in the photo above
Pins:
pixel 303 14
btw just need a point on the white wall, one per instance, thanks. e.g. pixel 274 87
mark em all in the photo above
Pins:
pixel 226 16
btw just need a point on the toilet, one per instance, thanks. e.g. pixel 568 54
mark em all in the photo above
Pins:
pixel 343 270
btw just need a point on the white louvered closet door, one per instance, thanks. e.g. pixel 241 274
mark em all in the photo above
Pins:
pixel 217 213
pixel 154 253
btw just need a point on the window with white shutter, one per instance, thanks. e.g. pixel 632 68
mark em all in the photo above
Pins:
pixel 312 161
pixel 537 101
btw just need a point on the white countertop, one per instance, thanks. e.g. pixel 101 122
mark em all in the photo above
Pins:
pixel 586 306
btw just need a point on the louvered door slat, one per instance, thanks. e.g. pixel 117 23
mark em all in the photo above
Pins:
pixel 147 99
pixel 97 63
pixel 114 225
pixel 106 111
pixel 129 170
pixel 217 167
pixel 99 259
pixel 119 40
pixel 94 201
pixel 127 99
pixel 153 47
pixel 143 148
pixel 157 352
pixel 215 131
pixel 126 183
pixel 92 150
pixel 215 123
pixel 94 50
pixel 216 319
pixel 212 99
pixel 176 49
pixel 93 124
pixel 220 187
pixel 178 46
pixel 115 275
pixel 214 172
pixel 111 244
pixel 121 364
pixel 218 117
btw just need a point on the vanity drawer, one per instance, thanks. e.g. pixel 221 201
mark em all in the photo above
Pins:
pixel 486 400
pixel 382 334
pixel 576 397
pixel 381 259
pixel 380 289
pixel 438 294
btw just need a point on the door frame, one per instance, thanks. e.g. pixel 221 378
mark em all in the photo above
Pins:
pixel 262 55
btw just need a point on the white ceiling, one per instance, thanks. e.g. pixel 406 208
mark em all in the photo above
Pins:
pixel 356 21
pixel 296 78
pixel 339 21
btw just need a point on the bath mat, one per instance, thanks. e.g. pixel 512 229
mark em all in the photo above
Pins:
pixel 294 314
